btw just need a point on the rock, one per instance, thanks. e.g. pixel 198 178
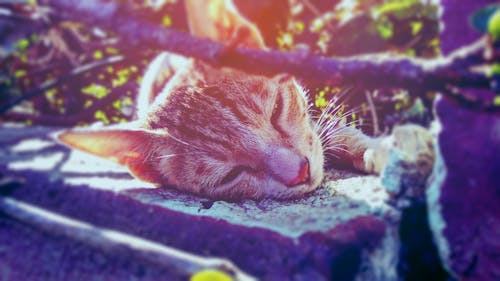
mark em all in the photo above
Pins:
pixel 409 164
pixel 464 196
pixel 343 231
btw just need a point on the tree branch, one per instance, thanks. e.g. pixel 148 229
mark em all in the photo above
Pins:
pixel 85 114
pixel 111 241
pixel 371 71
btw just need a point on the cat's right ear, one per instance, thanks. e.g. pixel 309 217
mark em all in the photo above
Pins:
pixel 131 148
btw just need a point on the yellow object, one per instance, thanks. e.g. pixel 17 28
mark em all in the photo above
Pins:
pixel 210 275
pixel 494 25
pixel 167 21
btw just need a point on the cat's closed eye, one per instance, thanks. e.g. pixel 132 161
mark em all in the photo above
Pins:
pixel 234 173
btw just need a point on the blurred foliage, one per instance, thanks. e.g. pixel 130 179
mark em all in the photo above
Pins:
pixel 52 56
pixel 326 27
pixel 347 28
pixel 344 28
pixel 494 25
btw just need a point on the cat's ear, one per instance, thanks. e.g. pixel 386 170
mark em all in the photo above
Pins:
pixel 285 78
pixel 221 21
pixel 131 148
pixel 289 82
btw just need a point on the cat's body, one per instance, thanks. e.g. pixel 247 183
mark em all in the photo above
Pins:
pixel 223 133
pixel 226 134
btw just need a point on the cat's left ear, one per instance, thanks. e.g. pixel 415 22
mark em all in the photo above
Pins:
pixel 284 78
pixel 134 149
pixel 289 82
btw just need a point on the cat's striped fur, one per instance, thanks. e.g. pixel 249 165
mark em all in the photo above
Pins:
pixel 225 134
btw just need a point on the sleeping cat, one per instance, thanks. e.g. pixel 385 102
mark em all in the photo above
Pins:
pixel 225 134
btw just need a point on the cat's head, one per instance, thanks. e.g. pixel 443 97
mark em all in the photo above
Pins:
pixel 244 136
pixel 231 136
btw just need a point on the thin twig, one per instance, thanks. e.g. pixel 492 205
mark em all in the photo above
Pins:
pixel 371 105
pixel 371 71
pixel 54 82
pixel 69 120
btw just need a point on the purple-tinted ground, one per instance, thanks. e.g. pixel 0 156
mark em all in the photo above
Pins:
pixel 464 198
pixel 465 194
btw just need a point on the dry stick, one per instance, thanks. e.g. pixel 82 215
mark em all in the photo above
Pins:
pixel 54 82
pixel 68 120
pixel 368 71
pixel 113 242
pixel 317 13
pixel 371 104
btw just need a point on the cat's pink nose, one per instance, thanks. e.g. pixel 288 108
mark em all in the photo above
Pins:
pixel 303 175
pixel 287 166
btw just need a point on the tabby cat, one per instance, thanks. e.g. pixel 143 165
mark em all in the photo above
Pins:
pixel 225 134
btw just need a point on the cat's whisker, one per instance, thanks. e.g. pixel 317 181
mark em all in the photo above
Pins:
pixel 327 111
pixel 180 141
pixel 335 137
pixel 178 154
pixel 335 146
pixel 337 149
pixel 329 117
pixel 187 144
pixel 330 129
pixel 167 156
pixel 329 154
pixel 333 142
pixel 324 125
pixel 335 122
pixel 334 151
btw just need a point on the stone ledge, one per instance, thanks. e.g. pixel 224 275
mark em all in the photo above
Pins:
pixel 333 233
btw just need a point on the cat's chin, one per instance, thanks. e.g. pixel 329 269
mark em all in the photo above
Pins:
pixel 267 189
pixel 277 190
pixel 290 193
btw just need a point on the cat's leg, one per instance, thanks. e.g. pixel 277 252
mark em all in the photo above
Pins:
pixel 371 155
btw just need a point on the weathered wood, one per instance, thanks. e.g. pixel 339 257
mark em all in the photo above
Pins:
pixel 464 196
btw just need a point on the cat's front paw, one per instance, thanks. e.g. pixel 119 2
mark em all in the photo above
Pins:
pixel 411 144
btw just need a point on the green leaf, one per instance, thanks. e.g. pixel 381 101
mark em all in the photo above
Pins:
pixel 496 101
pixel 416 27
pixel 385 29
pixel 166 21
pixel 494 25
pixel 396 6
pixel 495 69
pixel 22 44
pixel 98 91
pixel 98 55
pixel 20 73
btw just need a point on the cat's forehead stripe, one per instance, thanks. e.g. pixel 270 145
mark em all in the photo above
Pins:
pixel 220 99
